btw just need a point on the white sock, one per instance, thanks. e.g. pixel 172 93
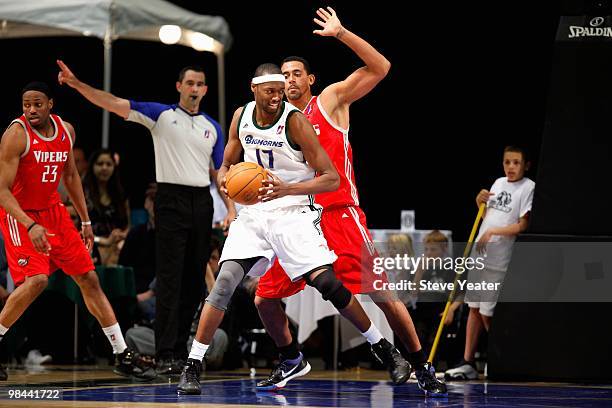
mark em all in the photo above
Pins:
pixel 372 335
pixel 3 330
pixel 114 336
pixel 198 350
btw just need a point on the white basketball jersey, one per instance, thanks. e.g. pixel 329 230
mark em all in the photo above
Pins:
pixel 272 148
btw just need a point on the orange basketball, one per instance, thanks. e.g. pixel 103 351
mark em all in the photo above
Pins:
pixel 243 182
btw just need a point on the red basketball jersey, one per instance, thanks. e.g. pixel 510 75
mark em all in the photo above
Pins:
pixel 335 141
pixel 41 165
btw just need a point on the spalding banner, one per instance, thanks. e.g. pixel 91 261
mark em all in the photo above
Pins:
pixel 585 28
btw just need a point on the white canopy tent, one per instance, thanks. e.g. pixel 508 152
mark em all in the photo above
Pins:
pixel 110 20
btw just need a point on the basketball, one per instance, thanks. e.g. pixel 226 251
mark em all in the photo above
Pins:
pixel 243 182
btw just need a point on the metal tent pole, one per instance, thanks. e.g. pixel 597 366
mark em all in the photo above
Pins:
pixel 221 87
pixel 108 53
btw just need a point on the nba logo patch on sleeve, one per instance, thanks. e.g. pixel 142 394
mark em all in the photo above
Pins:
pixel 23 261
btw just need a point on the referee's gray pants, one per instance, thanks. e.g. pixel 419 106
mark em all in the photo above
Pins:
pixel 183 223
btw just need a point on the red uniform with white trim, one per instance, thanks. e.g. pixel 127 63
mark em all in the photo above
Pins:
pixel 343 223
pixel 35 188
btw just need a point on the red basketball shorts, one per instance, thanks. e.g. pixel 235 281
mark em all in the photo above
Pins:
pixel 68 252
pixel 347 235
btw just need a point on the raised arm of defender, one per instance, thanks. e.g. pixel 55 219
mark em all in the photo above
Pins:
pixel 98 97
pixel 336 97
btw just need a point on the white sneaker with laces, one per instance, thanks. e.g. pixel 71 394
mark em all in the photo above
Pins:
pixel 463 371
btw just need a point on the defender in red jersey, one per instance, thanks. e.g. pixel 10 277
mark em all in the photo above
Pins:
pixel 343 223
pixel 39 237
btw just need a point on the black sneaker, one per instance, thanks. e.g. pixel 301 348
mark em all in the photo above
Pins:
pixel 426 378
pixel 190 378
pixel 390 357
pixel 284 372
pixel 3 374
pixel 170 366
pixel 128 364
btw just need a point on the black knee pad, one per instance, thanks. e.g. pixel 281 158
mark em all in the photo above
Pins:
pixel 247 263
pixel 330 287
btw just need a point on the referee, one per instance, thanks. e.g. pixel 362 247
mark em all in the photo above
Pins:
pixel 188 147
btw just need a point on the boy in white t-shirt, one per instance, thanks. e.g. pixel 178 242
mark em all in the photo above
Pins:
pixel 507 215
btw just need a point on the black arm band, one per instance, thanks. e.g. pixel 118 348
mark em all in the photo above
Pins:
pixel 32 225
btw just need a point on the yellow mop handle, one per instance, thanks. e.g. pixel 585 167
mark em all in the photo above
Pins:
pixel 466 252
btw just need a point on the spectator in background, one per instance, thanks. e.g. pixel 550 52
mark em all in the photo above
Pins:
pixel 508 205
pixel 107 205
pixel 138 249
pixel 428 305
pixel 399 244
pixel 146 304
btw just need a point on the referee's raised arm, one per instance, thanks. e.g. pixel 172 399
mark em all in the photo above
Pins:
pixel 98 97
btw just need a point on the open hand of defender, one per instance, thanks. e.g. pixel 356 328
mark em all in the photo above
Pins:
pixel 330 23
pixel 272 188
pixel 38 236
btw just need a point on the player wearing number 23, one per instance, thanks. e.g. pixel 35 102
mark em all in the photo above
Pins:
pixel 41 237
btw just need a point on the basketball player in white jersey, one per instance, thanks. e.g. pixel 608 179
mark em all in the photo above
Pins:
pixel 343 222
pixel 283 225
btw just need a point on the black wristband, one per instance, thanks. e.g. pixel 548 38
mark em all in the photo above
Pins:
pixel 32 226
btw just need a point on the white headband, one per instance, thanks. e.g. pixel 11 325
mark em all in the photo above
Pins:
pixel 268 78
